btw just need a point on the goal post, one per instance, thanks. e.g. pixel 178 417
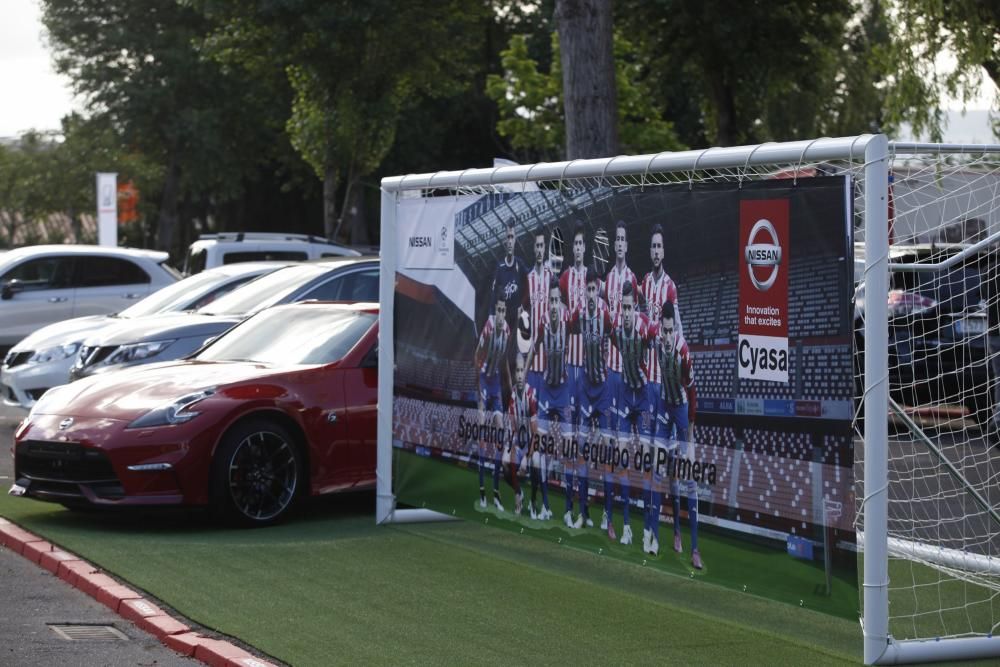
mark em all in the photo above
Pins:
pixel 926 460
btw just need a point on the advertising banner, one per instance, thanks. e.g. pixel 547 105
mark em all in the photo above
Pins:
pixel 659 374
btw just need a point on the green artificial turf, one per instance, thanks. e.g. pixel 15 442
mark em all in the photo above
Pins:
pixel 331 587
pixel 761 569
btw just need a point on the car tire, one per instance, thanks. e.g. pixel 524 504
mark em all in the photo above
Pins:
pixel 257 473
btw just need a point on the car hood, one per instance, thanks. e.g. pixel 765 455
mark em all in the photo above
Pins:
pixel 63 333
pixel 160 327
pixel 128 394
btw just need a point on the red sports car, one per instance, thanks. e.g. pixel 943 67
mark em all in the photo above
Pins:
pixel 279 406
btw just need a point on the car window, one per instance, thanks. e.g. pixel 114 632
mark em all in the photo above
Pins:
pixel 41 273
pixel 310 335
pixel 219 291
pixel 192 292
pixel 262 255
pixel 195 261
pixel 107 271
pixel 356 286
pixel 264 292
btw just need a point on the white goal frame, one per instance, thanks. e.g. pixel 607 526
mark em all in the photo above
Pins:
pixel 874 153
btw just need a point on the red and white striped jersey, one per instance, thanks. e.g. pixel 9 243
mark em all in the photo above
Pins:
pixel 537 301
pixel 658 290
pixel 594 330
pixel 573 284
pixel 551 338
pixel 632 346
pixel 492 348
pixel 677 386
pixel 522 410
pixel 613 284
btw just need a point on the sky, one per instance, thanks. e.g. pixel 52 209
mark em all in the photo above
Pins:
pixel 35 97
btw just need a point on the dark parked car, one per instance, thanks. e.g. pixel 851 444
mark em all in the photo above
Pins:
pixel 939 334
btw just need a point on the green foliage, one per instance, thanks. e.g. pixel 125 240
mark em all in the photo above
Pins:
pixel 530 102
pixel 764 72
pixel 924 30
pixel 53 173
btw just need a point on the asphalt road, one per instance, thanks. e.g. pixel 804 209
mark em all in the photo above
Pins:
pixel 32 600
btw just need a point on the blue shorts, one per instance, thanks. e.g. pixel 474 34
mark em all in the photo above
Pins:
pixel 633 401
pixel 575 377
pixel 671 421
pixel 489 391
pixel 614 385
pixel 553 399
pixel 593 400
pixel 535 380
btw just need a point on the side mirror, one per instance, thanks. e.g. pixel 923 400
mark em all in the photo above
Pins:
pixel 371 359
pixel 9 289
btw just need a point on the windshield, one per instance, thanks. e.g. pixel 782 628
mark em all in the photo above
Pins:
pixel 292 336
pixel 177 296
pixel 263 292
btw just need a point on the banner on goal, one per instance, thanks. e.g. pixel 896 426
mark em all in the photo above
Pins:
pixel 661 374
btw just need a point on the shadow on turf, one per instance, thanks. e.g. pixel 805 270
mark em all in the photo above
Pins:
pixel 349 511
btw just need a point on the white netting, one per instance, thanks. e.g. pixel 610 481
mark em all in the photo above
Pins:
pixel 944 461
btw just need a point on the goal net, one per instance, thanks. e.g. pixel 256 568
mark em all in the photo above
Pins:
pixel 943 455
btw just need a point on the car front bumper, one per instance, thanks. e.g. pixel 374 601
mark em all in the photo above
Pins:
pixel 24 384
pixel 99 462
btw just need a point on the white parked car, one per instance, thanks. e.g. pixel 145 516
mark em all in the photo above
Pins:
pixel 211 250
pixel 43 284
pixel 43 360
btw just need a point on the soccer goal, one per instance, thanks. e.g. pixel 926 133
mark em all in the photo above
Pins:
pixel 845 425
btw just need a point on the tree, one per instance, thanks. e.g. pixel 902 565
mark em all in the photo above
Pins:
pixel 588 77
pixel 139 64
pixel 764 72
pixel 529 101
pixel 923 30
pixel 353 69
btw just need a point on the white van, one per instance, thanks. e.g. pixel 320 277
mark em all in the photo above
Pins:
pixel 212 250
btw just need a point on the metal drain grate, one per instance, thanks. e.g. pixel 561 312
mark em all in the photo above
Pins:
pixel 87 632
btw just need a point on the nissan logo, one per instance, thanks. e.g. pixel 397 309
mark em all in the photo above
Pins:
pixel 763 255
pixel 65 424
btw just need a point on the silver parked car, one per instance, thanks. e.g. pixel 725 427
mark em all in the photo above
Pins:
pixel 43 284
pixel 43 359
pixel 168 337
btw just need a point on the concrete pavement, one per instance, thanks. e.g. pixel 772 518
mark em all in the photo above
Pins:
pixel 34 600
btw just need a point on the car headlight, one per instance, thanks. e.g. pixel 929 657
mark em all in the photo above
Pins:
pixel 137 352
pixel 46 404
pixel 175 412
pixel 56 353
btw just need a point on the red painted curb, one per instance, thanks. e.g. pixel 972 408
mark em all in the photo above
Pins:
pixel 112 596
pixel 218 653
pixel 50 560
pixel 127 603
pixel 14 538
pixel 184 643
pixel 161 626
pixel 248 662
pixel 91 584
pixel 33 550
pixel 135 610
pixel 70 570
